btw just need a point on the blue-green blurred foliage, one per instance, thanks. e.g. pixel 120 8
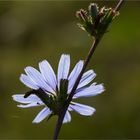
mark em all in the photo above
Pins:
pixel 31 31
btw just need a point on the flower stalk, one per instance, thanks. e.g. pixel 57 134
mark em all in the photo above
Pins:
pixel 96 27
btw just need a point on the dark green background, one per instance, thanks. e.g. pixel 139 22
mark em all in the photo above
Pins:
pixel 31 31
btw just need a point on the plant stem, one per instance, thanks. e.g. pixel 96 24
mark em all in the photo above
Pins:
pixel 62 112
pixel 117 8
pixel 87 60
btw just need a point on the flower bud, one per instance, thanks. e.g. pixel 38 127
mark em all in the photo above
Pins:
pixel 96 21
pixel 109 15
pixel 82 15
pixel 93 10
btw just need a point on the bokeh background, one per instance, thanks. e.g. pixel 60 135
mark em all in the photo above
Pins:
pixel 31 31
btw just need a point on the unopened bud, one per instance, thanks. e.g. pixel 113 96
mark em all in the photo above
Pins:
pixel 93 10
pixel 82 15
pixel 109 15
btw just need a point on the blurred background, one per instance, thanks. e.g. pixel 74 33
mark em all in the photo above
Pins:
pixel 31 31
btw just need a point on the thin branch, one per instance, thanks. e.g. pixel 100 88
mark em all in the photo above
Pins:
pixel 119 5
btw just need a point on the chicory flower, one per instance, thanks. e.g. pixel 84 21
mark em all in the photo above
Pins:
pixel 57 89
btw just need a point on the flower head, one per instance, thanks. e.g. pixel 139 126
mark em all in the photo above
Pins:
pixel 52 92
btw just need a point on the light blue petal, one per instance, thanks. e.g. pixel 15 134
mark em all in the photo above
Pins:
pixel 28 82
pixel 42 115
pixel 67 117
pixel 30 105
pixel 48 73
pixel 74 74
pixel 63 68
pixel 82 109
pixel 87 78
pixel 38 79
pixel 93 90
pixel 69 108
pixel 20 98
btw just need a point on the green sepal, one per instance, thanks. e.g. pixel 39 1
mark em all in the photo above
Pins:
pixel 82 16
pixel 63 91
pixel 48 100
